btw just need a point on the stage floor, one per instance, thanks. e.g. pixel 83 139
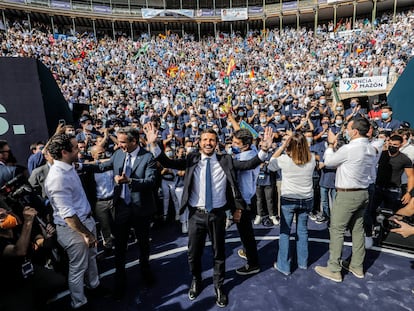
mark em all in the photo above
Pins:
pixel 387 284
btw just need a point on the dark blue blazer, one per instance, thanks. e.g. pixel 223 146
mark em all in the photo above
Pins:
pixel 143 177
pixel 229 166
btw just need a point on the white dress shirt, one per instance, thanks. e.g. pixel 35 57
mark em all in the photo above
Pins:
pixel 65 192
pixel 353 162
pixel 218 183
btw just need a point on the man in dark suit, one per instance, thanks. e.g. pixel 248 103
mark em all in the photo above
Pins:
pixel 210 187
pixel 135 174
pixel 38 176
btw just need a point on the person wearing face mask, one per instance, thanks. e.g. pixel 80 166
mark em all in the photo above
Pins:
pixel 353 163
pixel 263 123
pixel 26 286
pixel 172 136
pixel 244 150
pixel 87 135
pixel 210 121
pixel 387 123
pixel 253 114
pixel 193 133
pixel 279 124
pixel 295 113
pixel 103 183
pixel 391 166
pixel 355 110
pixel 375 113
pixel 408 149
pixel 337 126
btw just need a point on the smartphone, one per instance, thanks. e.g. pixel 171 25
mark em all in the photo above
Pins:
pixel 62 122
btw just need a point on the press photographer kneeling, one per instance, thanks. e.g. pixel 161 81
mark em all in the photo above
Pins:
pixel 24 286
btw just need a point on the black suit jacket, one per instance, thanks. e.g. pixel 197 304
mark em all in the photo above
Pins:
pixel 143 175
pixel 229 166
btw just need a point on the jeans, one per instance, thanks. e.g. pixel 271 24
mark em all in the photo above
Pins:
pixel 290 208
pixel 327 198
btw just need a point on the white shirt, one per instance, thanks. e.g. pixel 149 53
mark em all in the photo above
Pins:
pixel 353 162
pixel 218 177
pixel 218 183
pixel 377 144
pixel 297 182
pixel 64 190
pixel 104 184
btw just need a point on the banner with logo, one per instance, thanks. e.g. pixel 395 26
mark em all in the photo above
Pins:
pixel 238 14
pixel 365 84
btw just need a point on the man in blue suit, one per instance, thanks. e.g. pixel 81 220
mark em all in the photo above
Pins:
pixel 135 176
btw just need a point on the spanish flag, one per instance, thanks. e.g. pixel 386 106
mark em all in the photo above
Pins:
pixel 172 71
pixel 251 74
pixel 231 66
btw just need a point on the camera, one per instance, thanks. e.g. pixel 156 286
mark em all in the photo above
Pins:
pixel 383 218
pixel 18 193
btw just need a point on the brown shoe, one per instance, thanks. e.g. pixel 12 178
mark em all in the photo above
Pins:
pixel 357 272
pixel 328 274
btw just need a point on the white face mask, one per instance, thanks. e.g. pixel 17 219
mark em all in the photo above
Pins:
pixel 194 124
pixel 89 127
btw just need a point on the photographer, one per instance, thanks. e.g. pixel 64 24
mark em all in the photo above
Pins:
pixel 24 286
pixel 8 168
pixel 405 229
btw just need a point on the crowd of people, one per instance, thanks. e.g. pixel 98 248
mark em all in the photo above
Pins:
pixel 225 130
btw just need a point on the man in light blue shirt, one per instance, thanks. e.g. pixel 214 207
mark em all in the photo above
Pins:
pixel 244 150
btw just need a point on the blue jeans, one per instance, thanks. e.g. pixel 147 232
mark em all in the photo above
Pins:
pixel 327 195
pixel 290 208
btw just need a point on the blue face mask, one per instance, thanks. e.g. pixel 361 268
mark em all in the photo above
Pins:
pixel 353 105
pixel 235 150
pixel 241 113
pixel 385 115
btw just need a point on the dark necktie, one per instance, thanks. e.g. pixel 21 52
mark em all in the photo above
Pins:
pixel 209 191
pixel 127 170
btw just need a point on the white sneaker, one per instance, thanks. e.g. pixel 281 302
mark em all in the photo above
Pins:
pixel 274 220
pixel 369 242
pixel 184 227
pixel 258 220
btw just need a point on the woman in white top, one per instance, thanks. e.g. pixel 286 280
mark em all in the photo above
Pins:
pixel 297 165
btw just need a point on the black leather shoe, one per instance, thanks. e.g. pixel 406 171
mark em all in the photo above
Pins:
pixel 195 289
pixel 99 291
pixel 221 298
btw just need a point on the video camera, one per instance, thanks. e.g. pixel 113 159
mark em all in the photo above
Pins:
pixel 18 193
pixel 390 239
pixel 383 218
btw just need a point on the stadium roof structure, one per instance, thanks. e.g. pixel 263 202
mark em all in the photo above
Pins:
pixel 205 15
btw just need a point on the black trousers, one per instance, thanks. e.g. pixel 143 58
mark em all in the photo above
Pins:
pixel 201 224
pixel 266 202
pixel 246 233
pixel 141 225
